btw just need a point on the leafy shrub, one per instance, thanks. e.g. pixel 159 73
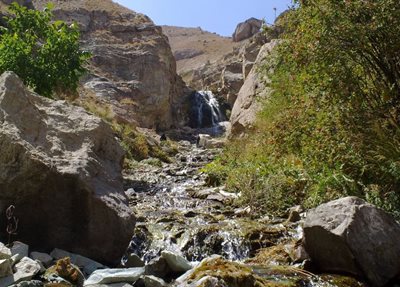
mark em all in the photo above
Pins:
pixel 44 54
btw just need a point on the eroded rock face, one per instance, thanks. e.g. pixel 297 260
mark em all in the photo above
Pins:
pixel 247 29
pixel 61 168
pixel 351 236
pixel 247 104
pixel 132 69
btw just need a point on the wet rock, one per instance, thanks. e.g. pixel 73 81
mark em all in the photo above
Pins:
pixel 19 250
pixel 152 281
pixel 228 273
pixel 133 260
pixel 108 276
pixel 176 262
pixel 25 269
pixel 69 167
pixel 349 235
pixel 66 270
pixel 45 258
pixel 5 252
pixel 5 268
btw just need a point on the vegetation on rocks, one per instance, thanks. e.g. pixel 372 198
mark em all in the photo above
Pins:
pixel 331 126
pixel 45 54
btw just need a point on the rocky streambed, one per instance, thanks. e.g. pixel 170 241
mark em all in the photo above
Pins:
pixel 179 216
pixel 188 234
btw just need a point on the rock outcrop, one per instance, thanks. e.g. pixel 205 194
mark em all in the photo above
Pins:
pixel 247 105
pixel 133 70
pixel 247 29
pixel 61 169
pixel 351 236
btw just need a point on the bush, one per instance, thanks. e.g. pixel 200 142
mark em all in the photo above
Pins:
pixel 331 127
pixel 44 54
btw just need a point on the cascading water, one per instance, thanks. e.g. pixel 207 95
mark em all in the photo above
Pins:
pixel 205 110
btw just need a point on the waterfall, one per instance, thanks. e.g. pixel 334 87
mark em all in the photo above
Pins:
pixel 205 111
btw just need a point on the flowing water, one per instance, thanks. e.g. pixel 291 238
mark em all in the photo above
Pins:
pixel 206 111
pixel 177 212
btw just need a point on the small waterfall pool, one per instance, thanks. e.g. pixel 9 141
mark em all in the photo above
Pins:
pixel 205 110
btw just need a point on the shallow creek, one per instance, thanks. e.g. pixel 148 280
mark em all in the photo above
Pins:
pixel 177 212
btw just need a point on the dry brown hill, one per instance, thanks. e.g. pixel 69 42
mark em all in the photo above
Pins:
pixel 193 47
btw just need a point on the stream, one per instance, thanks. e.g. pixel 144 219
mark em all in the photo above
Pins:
pixel 177 212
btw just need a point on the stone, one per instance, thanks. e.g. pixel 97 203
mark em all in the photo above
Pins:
pixel 133 260
pixel 67 271
pixel 69 167
pixel 176 262
pixel 108 276
pixel 5 268
pixel 25 269
pixel 132 70
pixel 152 281
pixel 45 258
pixel 247 29
pixel 33 283
pixel 351 236
pixel 5 252
pixel 158 267
pixel 247 104
pixel 19 250
pixel 206 141
pixel 86 264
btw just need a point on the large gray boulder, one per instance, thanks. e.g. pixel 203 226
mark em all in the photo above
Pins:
pixel 349 235
pixel 247 29
pixel 61 168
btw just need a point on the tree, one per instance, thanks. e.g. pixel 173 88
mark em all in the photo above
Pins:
pixel 45 54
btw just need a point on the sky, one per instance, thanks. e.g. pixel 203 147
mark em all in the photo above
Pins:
pixel 220 16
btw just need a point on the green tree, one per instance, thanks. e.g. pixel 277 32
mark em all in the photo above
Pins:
pixel 44 53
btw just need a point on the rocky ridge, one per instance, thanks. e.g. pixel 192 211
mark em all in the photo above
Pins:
pixel 132 71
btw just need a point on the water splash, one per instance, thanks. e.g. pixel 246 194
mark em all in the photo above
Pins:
pixel 206 111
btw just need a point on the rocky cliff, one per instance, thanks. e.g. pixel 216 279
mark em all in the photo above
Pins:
pixel 132 70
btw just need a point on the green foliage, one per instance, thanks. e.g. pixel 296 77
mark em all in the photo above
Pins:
pixel 331 126
pixel 45 54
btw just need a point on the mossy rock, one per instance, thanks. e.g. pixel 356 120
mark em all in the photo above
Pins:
pixel 64 270
pixel 233 274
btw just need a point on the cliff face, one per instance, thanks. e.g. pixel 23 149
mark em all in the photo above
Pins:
pixel 132 70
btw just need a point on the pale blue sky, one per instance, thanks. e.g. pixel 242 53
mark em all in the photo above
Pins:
pixel 220 16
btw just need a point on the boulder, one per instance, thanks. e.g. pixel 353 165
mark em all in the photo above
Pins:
pixel 61 168
pixel 158 267
pixel 206 141
pixel 247 29
pixel 25 269
pixel 133 260
pixel 19 250
pixel 108 276
pixel 351 236
pixel 247 104
pixel 176 262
